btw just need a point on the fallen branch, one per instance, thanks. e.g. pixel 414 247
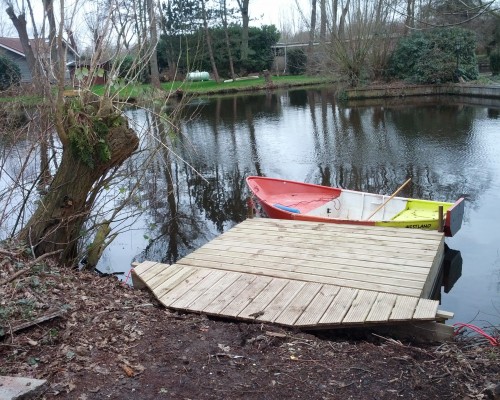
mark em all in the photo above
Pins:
pixel 28 267
pixel 8 253
pixel 39 320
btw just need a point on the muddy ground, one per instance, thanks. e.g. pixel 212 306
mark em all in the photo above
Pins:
pixel 105 340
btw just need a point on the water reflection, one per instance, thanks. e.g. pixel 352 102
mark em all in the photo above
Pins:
pixel 450 272
pixel 448 146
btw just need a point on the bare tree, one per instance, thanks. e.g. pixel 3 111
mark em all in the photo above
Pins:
pixel 361 43
pixel 312 32
pixel 223 12
pixel 410 15
pixel 92 137
pixel 20 24
pixel 245 18
pixel 208 39
pixel 323 22
pixel 153 62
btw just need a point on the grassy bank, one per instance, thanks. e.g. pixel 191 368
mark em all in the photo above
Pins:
pixel 213 88
pixel 134 91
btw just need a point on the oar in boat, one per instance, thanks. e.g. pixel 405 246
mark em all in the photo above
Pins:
pixel 389 199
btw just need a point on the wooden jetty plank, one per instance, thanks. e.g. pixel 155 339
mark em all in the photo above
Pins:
pixel 174 280
pixel 291 235
pixel 304 274
pixel 275 272
pixel 375 251
pixel 341 256
pixel 339 307
pixel 282 300
pixel 323 227
pixel 443 315
pixel 338 230
pixel 152 271
pixel 299 303
pixel 143 267
pixel 360 307
pixel 210 295
pixel 198 289
pixel 421 331
pixel 434 271
pixel 396 277
pixel 382 308
pixel 318 305
pixel 328 261
pixel 229 294
pixel 256 309
pixel 187 284
pixel 426 309
pixel 288 240
pixel 404 308
pixel 246 296
pixel 163 275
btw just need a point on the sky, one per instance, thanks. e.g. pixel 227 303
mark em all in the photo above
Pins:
pixel 274 11
pixel 262 12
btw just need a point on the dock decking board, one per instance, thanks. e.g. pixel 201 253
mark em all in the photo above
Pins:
pixel 333 269
pixel 346 261
pixel 300 237
pixel 304 274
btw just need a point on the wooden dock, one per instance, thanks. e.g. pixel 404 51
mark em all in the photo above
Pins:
pixel 305 274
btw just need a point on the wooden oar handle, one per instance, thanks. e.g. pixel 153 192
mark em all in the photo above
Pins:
pixel 389 199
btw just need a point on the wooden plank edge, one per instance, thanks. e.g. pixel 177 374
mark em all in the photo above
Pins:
pixel 416 331
pixel 443 315
pixel 423 332
pixel 436 268
pixel 137 281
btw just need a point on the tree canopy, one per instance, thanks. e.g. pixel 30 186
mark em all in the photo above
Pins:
pixel 10 73
pixel 435 56
pixel 189 53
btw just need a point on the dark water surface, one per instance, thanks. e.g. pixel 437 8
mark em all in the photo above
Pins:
pixel 449 146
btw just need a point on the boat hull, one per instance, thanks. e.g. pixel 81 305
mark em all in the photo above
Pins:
pixel 284 199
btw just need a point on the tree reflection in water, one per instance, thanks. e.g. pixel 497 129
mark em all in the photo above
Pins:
pixel 444 144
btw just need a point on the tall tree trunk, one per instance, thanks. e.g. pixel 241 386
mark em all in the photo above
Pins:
pixel 19 22
pixel 341 31
pixel 153 61
pixel 335 5
pixel 48 6
pixel 410 15
pixel 209 42
pixel 245 18
pixel 58 222
pixel 310 46
pixel 323 18
pixel 228 43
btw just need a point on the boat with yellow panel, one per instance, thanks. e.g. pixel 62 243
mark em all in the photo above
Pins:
pixel 285 199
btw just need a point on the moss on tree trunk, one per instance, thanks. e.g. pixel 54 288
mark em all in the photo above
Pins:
pixel 58 222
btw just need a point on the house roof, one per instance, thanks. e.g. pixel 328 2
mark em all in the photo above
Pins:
pixel 14 45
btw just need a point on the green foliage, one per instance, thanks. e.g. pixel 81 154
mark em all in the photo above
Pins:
pixel 495 62
pixel 87 132
pixel 125 67
pixel 81 73
pixel 436 56
pixel 10 74
pixel 297 61
pixel 189 52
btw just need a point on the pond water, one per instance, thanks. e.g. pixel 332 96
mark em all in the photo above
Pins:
pixel 449 146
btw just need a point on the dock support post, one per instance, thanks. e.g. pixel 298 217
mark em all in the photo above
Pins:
pixel 440 218
pixel 250 208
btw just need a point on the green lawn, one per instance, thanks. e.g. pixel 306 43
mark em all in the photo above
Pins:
pixel 212 87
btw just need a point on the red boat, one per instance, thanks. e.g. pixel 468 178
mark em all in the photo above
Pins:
pixel 284 199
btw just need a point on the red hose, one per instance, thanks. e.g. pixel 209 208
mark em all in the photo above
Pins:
pixel 127 278
pixel 491 339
